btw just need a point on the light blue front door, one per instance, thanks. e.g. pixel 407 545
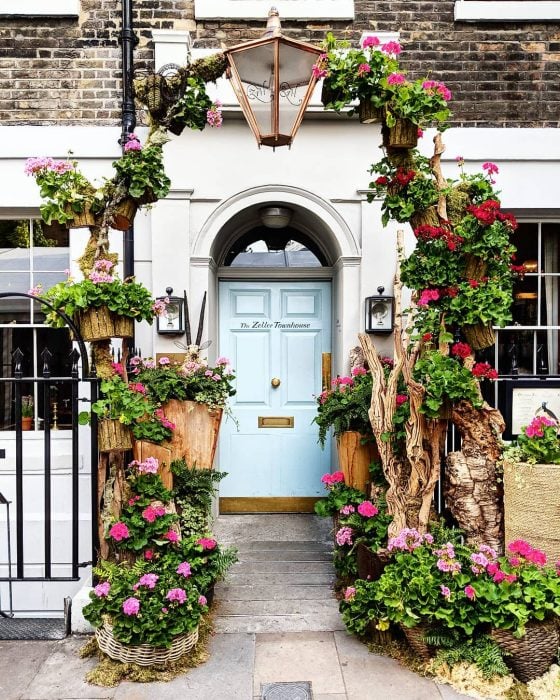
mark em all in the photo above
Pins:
pixel 274 331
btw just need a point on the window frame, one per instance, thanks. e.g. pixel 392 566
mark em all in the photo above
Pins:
pixel 507 11
pixel 288 9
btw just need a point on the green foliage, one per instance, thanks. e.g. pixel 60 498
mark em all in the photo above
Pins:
pixel 345 406
pixel 486 302
pixel 142 172
pixel 190 109
pixel 129 298
pixel 27 406
pixel 407 188
pixel 480 650
pixel 445 380
pixel 414 101
pixel 193 492
pixel 339 495
pixel 192 381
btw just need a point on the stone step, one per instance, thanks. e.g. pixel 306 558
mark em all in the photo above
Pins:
pixel 275 608
pixel 282 567
pixel 270 578
pixel 273 545
pixel 324 622
pixel 284 555
pixel 282 591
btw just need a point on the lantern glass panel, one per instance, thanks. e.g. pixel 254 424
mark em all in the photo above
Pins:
pixel 255 67
pixel 295 75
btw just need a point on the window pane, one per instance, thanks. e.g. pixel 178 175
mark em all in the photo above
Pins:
pixel 14 245
pixel 526 240
pixel 516 352
pixel 50 247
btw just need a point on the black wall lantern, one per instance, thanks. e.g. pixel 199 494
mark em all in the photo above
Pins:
pixel 379 313
pixel 172 321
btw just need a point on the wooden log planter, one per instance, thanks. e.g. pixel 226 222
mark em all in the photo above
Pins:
pixel 368 113
pixel 83 219
pixel 403 135
pixel 354 458
pixel 196 433
pixel 101 324
pixel 163 453
pixel 124 215
pixel 479 336
pixel 113 436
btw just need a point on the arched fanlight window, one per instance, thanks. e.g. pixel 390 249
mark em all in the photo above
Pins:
pixel 265 247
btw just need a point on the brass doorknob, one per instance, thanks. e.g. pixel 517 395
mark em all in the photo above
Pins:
pixel 275 382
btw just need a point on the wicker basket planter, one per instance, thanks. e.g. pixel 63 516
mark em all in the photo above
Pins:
pixel 84 219
pixel 368 113
pixel 143 654
pixel 479 336
pixel 415 639
pixel 354 458
pixel 532 507
pixel 124 215
pixel 403 135
pixel 532 655
pixel 113 436
pixel 371 564
pixel 102 324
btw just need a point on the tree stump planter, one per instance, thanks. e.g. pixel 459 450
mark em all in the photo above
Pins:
pixel 368 113
pixel 113 436
pixel 403 135
pixel 354 458
pixel 123 217
pixel 532 507
pixel 102 324
pixel 195 437
pixel 428 217
pixel 163 453
pixel 475 268
pixel 143 654
pixel 531 655
pixel 479 336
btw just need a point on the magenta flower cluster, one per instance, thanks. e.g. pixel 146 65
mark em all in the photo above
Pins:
pixel 537 425
pixel 367 509
pixel 149 466
pixel 332 479
pixel 344 536
pixel 33 166
pixel 119 531
pixel 101 272
pixel 151 513
pixel 177 595
pixel 446 559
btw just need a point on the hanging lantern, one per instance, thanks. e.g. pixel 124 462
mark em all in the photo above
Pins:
pixel 273 80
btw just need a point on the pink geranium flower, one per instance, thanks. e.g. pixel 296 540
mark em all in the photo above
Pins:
pixel 177 595
pixel 131 606
pixel 367 509
pixel 102 589
pixel 184 569
pixel 119 531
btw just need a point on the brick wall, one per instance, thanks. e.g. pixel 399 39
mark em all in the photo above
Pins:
pixel 68 71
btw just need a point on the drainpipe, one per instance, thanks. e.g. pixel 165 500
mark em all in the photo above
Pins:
pixel 128 41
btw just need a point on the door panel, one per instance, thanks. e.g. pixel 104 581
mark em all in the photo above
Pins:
pixel 274 330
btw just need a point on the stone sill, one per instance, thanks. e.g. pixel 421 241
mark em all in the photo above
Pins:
pixel 40 8
pixel 507 11
pixel 289 9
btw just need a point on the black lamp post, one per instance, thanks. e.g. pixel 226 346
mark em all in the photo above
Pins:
pixel 273 80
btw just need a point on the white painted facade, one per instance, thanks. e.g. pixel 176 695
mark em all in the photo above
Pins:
pixel 220 180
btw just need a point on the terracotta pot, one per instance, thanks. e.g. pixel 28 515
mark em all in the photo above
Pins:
pixel 102 324
pixel 354 458
pixel 27 422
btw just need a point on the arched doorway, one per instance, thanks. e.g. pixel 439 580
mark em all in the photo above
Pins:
pixel 280 289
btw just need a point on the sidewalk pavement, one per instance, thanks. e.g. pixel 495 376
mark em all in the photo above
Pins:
pixel 338 666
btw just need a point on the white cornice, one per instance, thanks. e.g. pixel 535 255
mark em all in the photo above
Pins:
pixel 40 8
pixel 507 11
pixel 288 9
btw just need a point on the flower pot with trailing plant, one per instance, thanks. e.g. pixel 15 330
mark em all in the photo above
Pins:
pixel 531 477
pixel 344 408
pixel 194 396
pixel 519 596
pixel 353 75
pixel 193 109
pixel 102 305
pixel 69 197
pixel 27 412
pixel 124 410
pixel 141 170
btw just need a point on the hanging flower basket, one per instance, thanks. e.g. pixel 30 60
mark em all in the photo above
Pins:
pixel 479 336
pixel 415 639
pixel 143 654
pixel 531 655
pixel 102 324
pixel 475 268
pixel 531 506
pixel 428 217
pixel 354 458
pixel 330 95
pixel 368 113
pixel 113 436
pixel 124 215
pixel 371 564
pixel 147 198
pixel 176 127
pixel 403 135
pixel 84 219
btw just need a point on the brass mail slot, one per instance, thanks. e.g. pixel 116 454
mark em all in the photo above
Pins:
pixel 276 421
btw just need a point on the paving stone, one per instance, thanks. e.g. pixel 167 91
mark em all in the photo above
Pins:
pixel 325 622
pixel 298 657
pixel 255 608
pixel 292 555
pixel 19 662
pixel 296 579
pixel 306 545
pixel 228 674
pixel 62 675
pixel 236 529
pixel 282 567
pixel 449 693
pixel 273 592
